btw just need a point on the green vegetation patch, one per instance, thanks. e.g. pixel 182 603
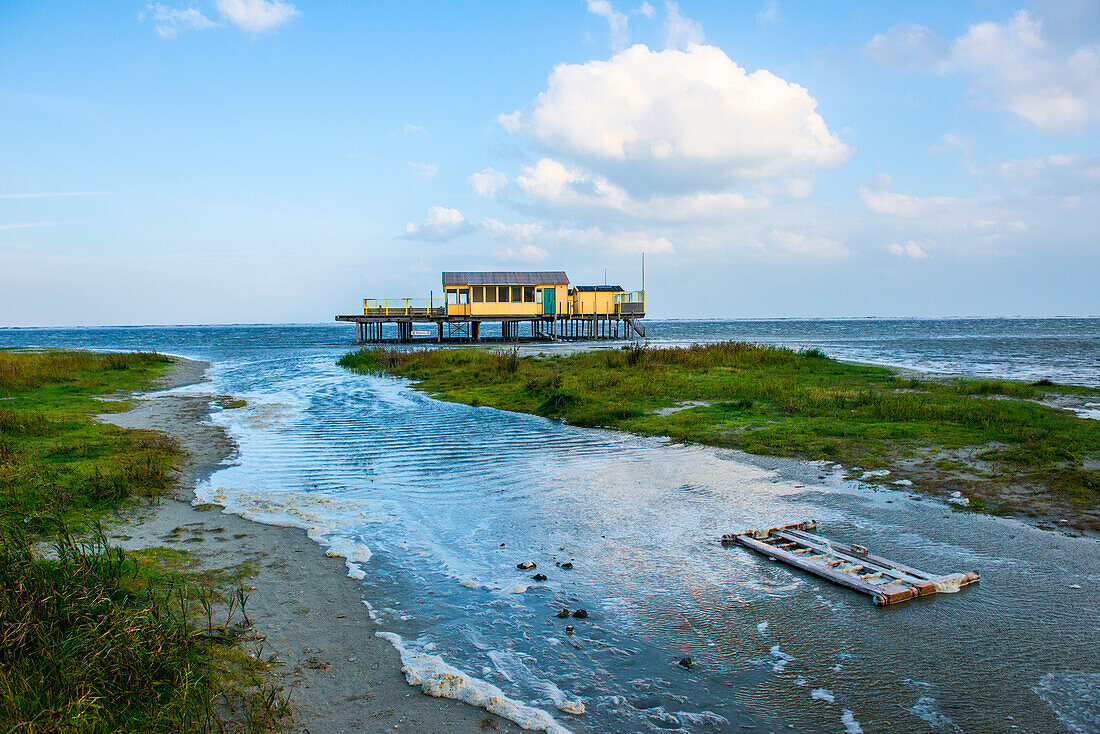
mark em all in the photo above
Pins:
pixel 93 639
pixel 55 460
pixel 98 640
pixel 777 401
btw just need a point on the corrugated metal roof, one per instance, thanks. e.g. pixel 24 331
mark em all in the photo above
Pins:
pixel 537 278
pixel 600 288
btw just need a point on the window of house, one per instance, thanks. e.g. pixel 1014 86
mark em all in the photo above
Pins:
pixel 502 294
pixel 517 294
pixel 490 294
pixel 479 294
pixel 528 294
pixel 452 295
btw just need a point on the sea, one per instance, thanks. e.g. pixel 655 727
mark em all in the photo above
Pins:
pixel 434 504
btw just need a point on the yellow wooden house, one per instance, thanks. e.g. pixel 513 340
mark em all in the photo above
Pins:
pixel 594 300
pixel 543 293
pixel 542 298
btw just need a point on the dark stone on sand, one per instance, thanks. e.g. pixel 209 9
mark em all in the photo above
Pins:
pixel 580 614
pixel 539 577
pixel 563 614
pixel 567 565
pixel 686 663
pixel 526 566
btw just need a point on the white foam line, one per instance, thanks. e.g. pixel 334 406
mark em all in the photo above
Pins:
pixel 437 678
pixel 284 511
pixel 851 726
pixel 371 612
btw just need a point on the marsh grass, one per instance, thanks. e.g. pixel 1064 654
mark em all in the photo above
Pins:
pixel 94 639
pixel 772 400
pixel 55 461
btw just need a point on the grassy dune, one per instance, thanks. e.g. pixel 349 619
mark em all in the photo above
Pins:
pixel 993 440
pixel 93 639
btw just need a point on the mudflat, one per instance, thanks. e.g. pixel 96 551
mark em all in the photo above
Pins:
pixel 306 611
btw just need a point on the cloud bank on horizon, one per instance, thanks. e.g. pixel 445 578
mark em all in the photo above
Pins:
pixel 952 152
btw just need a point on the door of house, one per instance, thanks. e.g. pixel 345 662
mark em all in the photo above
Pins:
pixel 548 301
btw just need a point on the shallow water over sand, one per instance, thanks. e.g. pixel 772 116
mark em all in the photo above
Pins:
pixel 433 490
pixel 420 495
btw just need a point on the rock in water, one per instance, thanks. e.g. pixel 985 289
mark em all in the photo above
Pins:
pixel 563 614
pixel 525 566
pixel 580 614
pixel 567 565
pixel 539 577
pixel 569 629
pixel 686 663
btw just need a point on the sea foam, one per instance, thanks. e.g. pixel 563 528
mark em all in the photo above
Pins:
pixel 438 678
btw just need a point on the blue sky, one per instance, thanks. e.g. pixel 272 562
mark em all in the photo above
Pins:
pixel 226 161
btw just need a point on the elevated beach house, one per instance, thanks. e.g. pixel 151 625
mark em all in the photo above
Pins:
pixel 542 299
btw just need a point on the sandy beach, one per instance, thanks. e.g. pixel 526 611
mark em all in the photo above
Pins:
pixel 317 633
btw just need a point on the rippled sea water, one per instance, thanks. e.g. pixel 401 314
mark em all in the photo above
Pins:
pixel 434 504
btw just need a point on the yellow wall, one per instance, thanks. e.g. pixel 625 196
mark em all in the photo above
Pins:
pixel 561 299
pixel 509 308
pixel 505 309
pixel 587 303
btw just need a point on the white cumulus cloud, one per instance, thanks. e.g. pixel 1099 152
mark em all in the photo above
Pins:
pixel 441 224
pixel 581 192
pixel 679 120
pixel 616 21
pixel 488 182
pixel 169 21
pixel 1055 87
pixel 524 232
pixel 915 250
pixel 682 32
pixel 769 13
pixel 257 16
pixel 901 205
pixel 909 46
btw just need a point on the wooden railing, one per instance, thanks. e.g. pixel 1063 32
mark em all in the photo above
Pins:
pixel 403 307
pixel 631 303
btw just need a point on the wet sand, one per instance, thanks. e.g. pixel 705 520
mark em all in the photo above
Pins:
pixel 316 630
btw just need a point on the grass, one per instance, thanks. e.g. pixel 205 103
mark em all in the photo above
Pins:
pixel 57 463
pixel 990 438
pixel 94 639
